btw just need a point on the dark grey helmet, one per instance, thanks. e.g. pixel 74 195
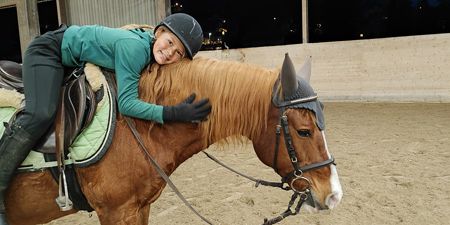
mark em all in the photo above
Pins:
pixel 187 29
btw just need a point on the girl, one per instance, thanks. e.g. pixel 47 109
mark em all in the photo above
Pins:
pixel 125 51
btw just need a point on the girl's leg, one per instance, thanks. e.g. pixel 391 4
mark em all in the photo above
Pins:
pixel 43 75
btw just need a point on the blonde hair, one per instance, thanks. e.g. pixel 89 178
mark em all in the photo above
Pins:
pixel 136 26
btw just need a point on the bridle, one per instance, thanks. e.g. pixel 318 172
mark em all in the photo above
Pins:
pixel 288 180
pixel 297 173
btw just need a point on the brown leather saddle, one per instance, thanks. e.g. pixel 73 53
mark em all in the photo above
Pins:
pixel 76 109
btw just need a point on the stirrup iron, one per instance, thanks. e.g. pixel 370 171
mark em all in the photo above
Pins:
pixel 63 200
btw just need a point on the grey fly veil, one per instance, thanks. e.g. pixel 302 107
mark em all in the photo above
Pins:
pixel 297 92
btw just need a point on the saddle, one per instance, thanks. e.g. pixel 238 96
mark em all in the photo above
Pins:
pixel 77 105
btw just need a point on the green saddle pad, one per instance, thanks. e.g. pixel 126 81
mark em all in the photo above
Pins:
pixel 89 146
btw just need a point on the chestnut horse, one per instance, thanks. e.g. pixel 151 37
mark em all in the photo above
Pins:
pixel 122 186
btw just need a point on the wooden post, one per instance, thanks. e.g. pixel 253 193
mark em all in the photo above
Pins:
pixel 28 19
pixel 62 11
pixel 162 9
pixel 7 3
pixel 305 33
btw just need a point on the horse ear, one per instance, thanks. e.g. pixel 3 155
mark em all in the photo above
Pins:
pixel 288 77
pixel 305 71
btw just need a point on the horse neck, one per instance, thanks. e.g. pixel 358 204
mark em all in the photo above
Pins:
pixel 264 144
pixel 241 99
pixel 240 93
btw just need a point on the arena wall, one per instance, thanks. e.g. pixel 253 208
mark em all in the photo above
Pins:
pixel 401 69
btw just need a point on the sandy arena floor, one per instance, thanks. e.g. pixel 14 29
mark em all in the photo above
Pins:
pixel 393 161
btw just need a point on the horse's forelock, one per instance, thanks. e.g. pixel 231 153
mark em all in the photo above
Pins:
pixel 240 93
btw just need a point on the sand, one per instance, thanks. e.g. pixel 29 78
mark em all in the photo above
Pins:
pixel 393 163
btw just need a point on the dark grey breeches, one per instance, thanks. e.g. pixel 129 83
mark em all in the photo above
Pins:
pixel 43 75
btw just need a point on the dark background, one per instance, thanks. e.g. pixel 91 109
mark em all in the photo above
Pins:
pixel 267 22
pixel 253 23
pixel 9 36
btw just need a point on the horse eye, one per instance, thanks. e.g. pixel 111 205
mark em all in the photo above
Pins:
pixel 304 133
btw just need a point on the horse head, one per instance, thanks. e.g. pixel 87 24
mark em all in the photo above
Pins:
pixel 302 159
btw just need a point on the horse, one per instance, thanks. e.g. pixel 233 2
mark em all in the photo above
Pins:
pixel 122 186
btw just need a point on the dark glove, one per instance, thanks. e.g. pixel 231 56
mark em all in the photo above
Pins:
pixel 187 111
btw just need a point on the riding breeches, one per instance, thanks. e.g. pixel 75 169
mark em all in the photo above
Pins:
pixel 43 75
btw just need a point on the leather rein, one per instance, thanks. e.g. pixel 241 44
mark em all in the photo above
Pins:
pixel 287 181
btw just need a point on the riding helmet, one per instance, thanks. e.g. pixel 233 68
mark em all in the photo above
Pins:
pixel 187 29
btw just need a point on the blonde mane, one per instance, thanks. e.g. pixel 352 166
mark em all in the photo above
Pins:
pixel 240 93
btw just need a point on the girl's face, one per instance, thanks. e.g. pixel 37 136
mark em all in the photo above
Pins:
pixel 167 48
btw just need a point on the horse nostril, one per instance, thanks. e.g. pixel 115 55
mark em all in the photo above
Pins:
pixel 333 200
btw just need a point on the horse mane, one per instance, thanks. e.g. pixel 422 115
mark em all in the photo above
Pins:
pixel 240 93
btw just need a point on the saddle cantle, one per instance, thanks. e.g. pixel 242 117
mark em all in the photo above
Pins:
pixel 11 75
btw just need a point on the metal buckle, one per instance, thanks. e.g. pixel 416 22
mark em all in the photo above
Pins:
pixel 77 72
pixel 306 190
pixel 294 160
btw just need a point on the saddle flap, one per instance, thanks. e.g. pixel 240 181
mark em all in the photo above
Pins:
pixel 75 104
pixel 79 108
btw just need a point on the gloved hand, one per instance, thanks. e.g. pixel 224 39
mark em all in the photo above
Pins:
pixel 187 111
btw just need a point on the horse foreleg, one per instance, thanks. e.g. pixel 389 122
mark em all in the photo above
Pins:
pixel 124 215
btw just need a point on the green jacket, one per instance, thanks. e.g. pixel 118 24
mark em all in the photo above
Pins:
pixel 125 51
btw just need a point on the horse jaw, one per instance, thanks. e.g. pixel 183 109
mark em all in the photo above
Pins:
pixel 288 77
pixel 334 198
pixel 305 70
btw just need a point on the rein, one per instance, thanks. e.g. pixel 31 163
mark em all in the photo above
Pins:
pixel 155 164
pixel 161 171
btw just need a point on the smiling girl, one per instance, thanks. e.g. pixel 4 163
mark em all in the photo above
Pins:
pixel 127 52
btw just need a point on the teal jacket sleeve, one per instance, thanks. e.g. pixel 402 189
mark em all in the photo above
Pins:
pixel 131 57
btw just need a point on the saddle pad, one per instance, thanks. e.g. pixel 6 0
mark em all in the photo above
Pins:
pixel 89 146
